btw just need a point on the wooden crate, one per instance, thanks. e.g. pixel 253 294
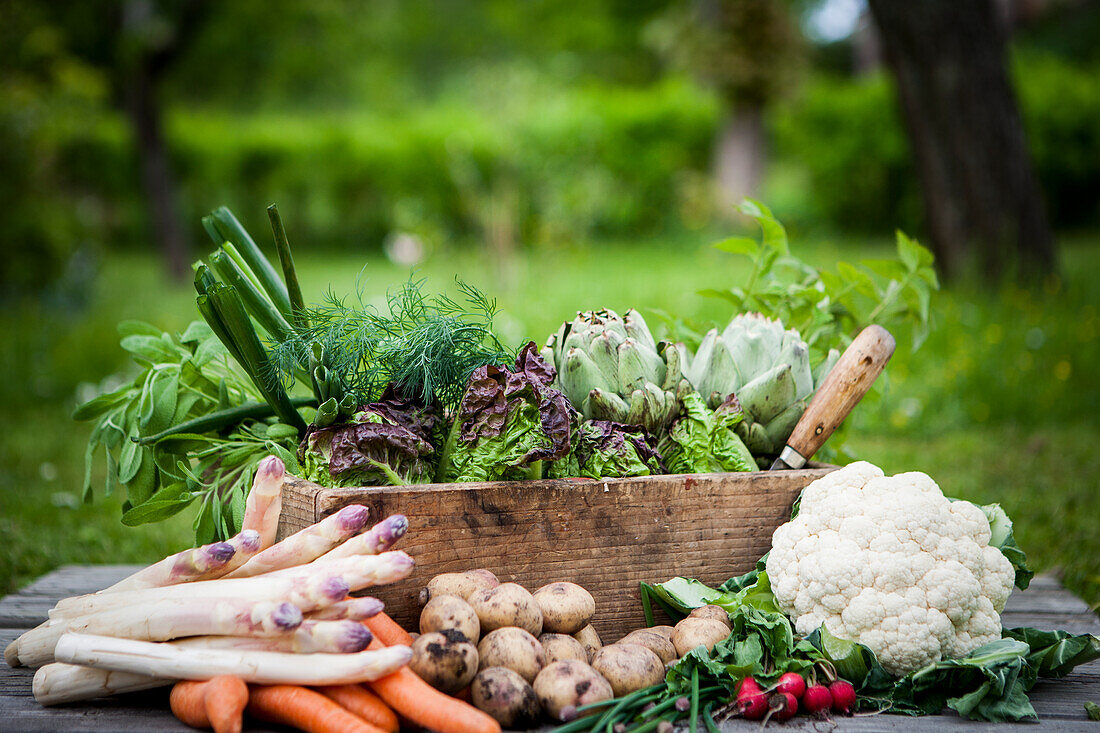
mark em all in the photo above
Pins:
pixel 605 535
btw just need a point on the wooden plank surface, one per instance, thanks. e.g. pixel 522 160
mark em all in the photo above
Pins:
pixel 604 535
pixel 1059 703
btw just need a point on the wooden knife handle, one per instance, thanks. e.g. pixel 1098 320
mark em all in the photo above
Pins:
pixel 844 387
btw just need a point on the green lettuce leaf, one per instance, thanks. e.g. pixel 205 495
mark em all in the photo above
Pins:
pixel 704 441
pixel 606 449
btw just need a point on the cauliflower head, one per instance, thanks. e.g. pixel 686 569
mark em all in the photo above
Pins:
pixel 889 562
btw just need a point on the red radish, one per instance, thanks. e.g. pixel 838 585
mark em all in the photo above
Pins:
pixel 783 706
pixel 753 705
pixel 844 696
pixel 749 686
pixel 792 683
pixel 816 698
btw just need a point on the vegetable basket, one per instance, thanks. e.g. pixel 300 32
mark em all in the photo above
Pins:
pixel 606 535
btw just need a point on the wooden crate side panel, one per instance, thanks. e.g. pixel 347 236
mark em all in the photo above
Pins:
pixel 606 535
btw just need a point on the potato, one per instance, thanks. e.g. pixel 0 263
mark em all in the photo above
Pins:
pixel 512 648
pixel 462 585
pixel 691 632
pixel 450 612
pixel 564 686
pixel 628 667
pixel 566 607
pixel 445 660
pixel 715 612
pixel 651 640
pixel 508 604
pixel 505 696
pixel 562 646
pixel 665 631
pixel 590 640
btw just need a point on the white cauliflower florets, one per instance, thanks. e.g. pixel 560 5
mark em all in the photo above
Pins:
pixel 892 564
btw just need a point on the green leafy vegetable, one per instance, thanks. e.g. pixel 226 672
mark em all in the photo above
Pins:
pixel 508 423
pixel 829 307
pixel 1055 653
pixel 704 441
pixel 605 449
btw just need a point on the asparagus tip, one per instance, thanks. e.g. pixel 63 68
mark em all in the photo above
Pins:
pixel 287 616
pixel 353 518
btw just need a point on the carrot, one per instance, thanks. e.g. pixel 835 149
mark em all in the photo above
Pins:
pixel 388 631
pixel 426 706
pixel 304 709
pixel 217 703
pixel 363 703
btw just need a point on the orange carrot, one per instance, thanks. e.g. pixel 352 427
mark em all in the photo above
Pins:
pixel 217 703
pixel 304 709
pixel 387 631
pixel 363 703
pixel 426 706
pixel 186 701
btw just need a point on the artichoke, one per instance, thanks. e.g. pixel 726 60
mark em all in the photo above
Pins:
pixel 611 368
pixel 767 367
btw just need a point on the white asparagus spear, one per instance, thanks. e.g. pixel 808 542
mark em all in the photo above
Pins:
pixel 174 619
pixel 265 500
pixel 266 668
pixel 308 544
pixel 355 609
pixel 59 683
pixel 312 637
pixel 375 540
pixel 163 620
pixel 199 563
pixel 306 586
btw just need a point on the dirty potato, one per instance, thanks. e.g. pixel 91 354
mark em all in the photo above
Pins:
pixel 590 640
pixel 445 660
pixel 462 585
pixel 562 646
pixel 450 612
pixel 691 632
pixel 715 612
pixel 512 648
pixel 566 607
pixel 564 686
pixel 508 604
pixel 665 631
pixel 657 643
pixel 628 667
pixel 505 696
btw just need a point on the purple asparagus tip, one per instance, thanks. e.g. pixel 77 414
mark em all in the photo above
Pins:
pixel 220 552
pixel 335 588
pixel 353 518
pixel 270 469
pixel 249 540
pixel 356 637
pixel 394 528
pixel 287 616
pixel 367 607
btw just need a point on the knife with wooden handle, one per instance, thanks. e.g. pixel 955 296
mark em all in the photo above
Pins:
pixel 844 387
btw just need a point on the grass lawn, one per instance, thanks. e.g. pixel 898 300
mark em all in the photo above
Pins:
pixel 999 405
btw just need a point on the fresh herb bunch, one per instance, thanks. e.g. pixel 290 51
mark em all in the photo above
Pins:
pixel 828 307
pixel 425 346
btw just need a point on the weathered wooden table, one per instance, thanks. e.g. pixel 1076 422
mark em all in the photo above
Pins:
pixel 1046 604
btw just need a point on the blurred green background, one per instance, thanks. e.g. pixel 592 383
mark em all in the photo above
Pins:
pixel 558 155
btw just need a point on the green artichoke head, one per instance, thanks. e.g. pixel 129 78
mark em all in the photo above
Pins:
pixel 767 367
pixel 611 368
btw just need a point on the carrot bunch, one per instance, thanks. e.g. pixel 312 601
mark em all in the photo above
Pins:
pixel 371 707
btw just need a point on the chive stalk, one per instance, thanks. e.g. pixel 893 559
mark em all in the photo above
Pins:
pixel 231 231
pixel 290 275
pixel 222 419
pixel 255 302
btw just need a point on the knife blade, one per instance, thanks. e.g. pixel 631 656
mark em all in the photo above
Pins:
pixel 844 387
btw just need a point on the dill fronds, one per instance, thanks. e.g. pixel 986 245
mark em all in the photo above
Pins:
pixel 426 346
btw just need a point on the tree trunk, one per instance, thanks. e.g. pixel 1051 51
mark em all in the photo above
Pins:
pixel 158 183
pixel 739 155
pixel 981 198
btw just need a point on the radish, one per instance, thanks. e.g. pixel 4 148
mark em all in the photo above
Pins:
pixel 816 698
pixel 748 686
pixel 752 706
pixel 844 696
pixel 782 706
pixel 793 684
